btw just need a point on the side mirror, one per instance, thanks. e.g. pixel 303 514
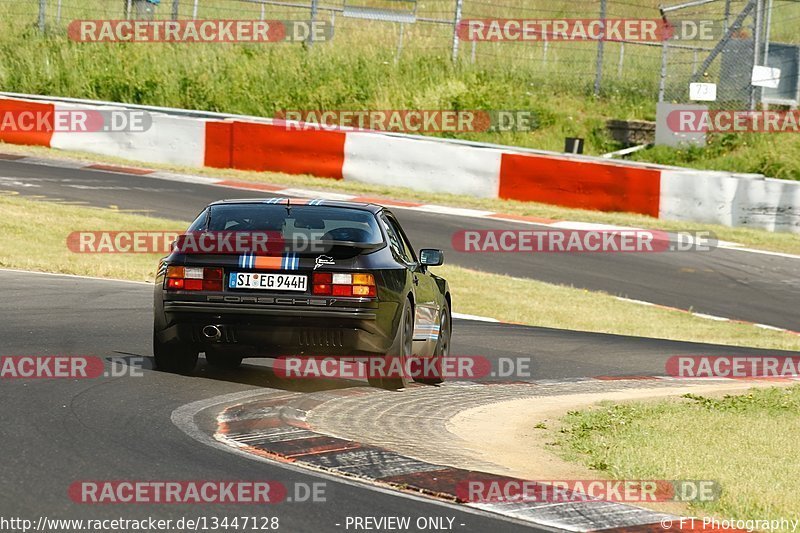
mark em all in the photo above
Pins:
pixel 431 257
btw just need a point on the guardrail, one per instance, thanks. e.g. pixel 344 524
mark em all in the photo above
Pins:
pixel 203 139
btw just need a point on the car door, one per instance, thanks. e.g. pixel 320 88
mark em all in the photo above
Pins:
pixel 426 319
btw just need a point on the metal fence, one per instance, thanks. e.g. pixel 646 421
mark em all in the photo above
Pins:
pixel 745 34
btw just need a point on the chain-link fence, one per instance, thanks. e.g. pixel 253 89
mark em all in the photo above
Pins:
pixel 750 49
pixel 752 57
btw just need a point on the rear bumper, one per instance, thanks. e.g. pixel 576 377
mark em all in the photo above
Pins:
pixel 277 330
pixel 189 309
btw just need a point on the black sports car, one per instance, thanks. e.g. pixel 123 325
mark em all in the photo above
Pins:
pixel 312 278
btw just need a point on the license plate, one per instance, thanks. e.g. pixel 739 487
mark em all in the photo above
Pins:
pixel 268 282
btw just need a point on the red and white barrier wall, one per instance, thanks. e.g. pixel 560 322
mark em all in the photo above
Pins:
pixel 420 165
pixel 433 165
pixel 170 140
pixel 720 198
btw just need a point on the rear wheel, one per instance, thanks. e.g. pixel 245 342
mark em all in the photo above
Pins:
pixel 222 360
pixel 175 357
pixel 432 372
pixel 392 374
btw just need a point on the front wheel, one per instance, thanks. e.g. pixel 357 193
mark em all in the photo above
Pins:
pixel 175 357
pixel 391 373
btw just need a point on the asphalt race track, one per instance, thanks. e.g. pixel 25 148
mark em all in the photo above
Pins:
pixel 119 427
pixel 67 430
pixel 728 283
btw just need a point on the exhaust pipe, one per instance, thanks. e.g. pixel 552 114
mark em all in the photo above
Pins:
pixel 212 332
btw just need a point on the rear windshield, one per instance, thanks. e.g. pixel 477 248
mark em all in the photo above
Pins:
pixel 312 223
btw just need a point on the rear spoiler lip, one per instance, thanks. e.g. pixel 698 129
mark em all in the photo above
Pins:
pixel 322 248
pixel 351 244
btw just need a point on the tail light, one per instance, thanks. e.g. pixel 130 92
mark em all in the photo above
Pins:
pixel 194 278
pixel 347 285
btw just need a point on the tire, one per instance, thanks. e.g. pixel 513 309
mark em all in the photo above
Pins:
pixel 175 357
pixel 222 361
pixel 398 356
pixel 442 349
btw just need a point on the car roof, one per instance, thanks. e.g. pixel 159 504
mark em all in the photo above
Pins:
pixel 373 208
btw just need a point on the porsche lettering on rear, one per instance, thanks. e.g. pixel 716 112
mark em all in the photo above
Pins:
pixel 266 300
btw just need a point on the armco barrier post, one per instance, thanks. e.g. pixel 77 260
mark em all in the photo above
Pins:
pixel 759 22
pixel 598 75
pixel 456 24
pixel 42 12
pixel 314 9
pixel 662 82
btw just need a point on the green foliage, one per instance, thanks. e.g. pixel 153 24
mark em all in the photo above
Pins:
pixel 768 401
pixel 743 441
pixel 358 71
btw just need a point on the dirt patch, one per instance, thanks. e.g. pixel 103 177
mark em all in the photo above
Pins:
pixel 506 433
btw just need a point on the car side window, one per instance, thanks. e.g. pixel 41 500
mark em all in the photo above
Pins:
pixel 409 251
pixel 396 241
pixel 200 222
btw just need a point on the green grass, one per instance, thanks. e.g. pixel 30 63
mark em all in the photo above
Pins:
pixel 33 237
pixel 359 70
pixel 527 301
pixel 774 155
pixel 744 442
